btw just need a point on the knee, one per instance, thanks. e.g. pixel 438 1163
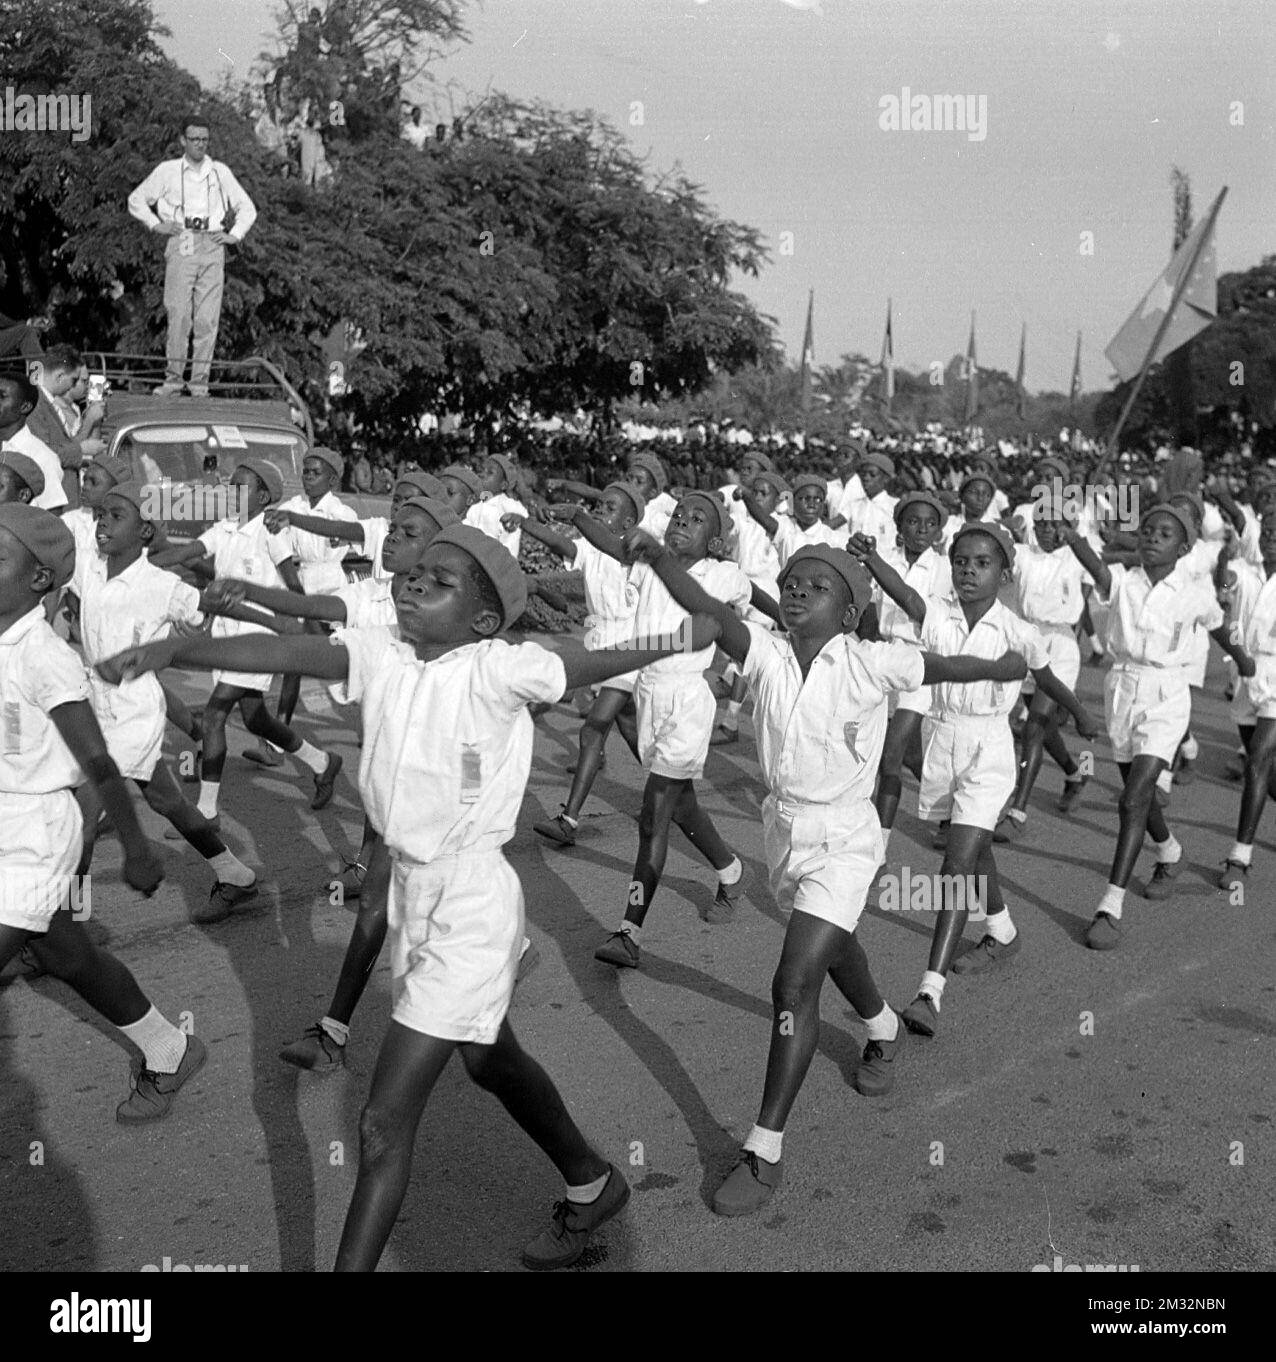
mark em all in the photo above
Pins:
pixel 482 1065
pixel 891 786
pixel 380 1134
pixel 595 727
pixel 793 989
pixel 165 803
pixel 1136 799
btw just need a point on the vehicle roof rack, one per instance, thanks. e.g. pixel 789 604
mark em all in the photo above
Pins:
pixel 252 379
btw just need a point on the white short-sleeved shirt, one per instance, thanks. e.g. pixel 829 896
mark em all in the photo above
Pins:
pixel 250 552
pixel 369 605
pixel 610 597
pixel 876 517
pixel 314 548
pixel 1254 609
pixel 756 553
pixel 38 672
pixel 486 516
pixel 820 740
pixel 851 499
pixel 1152 624
pixel 134 607
pixel 1048 586
pixel 82 523
pixel 790 536
pixel 931 576
pixel 447 744
pixel 997 631
pixel 24 442
pixel 657 614
pixel 1249 550
pixel 659 512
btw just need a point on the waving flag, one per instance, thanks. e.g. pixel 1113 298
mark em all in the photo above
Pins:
pixel 1074 388
pixel 888 359
pixel 1021 397
pixel 1180 305
pixel 808 350
pixel 972 376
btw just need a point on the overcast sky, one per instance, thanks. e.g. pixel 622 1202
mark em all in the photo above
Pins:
pixel 774 107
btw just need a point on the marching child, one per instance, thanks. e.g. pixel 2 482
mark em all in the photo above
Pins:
pixel 499 513
pixel 1152 616
pixel 1050 584
pixel 822 837
pixel 244 547
pixel 925 573
pixel 968 766
pixel 610 599
pixel 445 761
pixel 675 716
pixel 807 524
pixel 648 475
pixel 50 743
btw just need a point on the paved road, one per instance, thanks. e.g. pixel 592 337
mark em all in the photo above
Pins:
pixel 1011 1138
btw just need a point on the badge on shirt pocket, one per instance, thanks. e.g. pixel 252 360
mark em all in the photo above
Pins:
pixel 12 729
pixel 471 773
pixel 1178 634
pixel 850 734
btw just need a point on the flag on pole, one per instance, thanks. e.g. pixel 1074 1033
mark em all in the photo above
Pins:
pixel 1021 397
pixel 1197 305
pixel 888 359
pixel 972 376
pixel 1074 388
pixel 808 350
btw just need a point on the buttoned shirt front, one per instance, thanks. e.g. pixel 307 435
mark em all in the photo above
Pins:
pixel 447 744
pixel 610 597
pixel 316 548
pixel 38 672
pixel 931 576
pixel 249 552
pixel 369 604
pixel 658 616
pixel 790 536
pixel 180 190
pixel 877 518
pixel 820 738
pixel 486 516
pixel 1152 624
pixel 1048 586
pixel 997 631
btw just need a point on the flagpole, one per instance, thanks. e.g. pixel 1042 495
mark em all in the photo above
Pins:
pixel 1179 289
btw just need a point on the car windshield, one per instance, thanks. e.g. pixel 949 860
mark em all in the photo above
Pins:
pixel 207 454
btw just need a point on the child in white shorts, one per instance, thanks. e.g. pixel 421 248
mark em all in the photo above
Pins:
pixel 968 764
pixel 1152 615
pixel 50 743
pixel 820 714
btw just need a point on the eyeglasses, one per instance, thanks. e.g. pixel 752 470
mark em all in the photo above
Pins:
pixel 199 141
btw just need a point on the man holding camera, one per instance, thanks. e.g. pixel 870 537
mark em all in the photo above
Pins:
pixel 199 205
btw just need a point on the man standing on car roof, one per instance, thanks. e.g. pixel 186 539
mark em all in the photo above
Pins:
pixel 199 205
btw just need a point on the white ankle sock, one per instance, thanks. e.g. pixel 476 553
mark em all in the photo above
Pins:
pixel 1190 748
pixel 229 869
pixel 884 1026
pixel 159 1040
pixel 208 792
pixel 336 1031
pixel 1112 901
pixel 766 1144
pixel 588 1192
pixel 933 986
pixel 1000 928
pixel 568 819
pixel 1241 853
pixel 312 757
pixel 1165 782
pixel 733 873
pixel 731 719
pixel 1170 851
pixel 1019 815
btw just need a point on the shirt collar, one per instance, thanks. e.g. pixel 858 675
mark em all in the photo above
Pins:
pixel 20 628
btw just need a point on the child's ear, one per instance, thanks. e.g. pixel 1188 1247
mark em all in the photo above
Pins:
pixel 1183 550
pixel 716 547
pixel 25 495
pixel 42 579
pixel 486 624
pixel 147 533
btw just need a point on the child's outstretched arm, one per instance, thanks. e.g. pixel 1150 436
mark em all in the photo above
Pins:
pixel 598 535
pixel 1053 689
pixel 765 604
pixel 768 522
pixel 1088 559
pixel 349 530
pixel 1009 666
pixel 228 592
pixel 734 638
pixel 302 654
pixel 78 726
pixel 534 526
pixel 864 548
pixel 590 668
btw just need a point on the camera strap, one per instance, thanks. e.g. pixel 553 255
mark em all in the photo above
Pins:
pixel 181 171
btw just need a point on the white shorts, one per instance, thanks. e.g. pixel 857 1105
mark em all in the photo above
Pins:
pixel 1148 710
pixel 134 733
pixel 244 680
pixel 913 701
pixel 456 928
pixel 1255 696
pixel 1065 656
pixel 675 722
pixel 968 769
pixel 43 838
pixel 624 682
pixel 822 858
